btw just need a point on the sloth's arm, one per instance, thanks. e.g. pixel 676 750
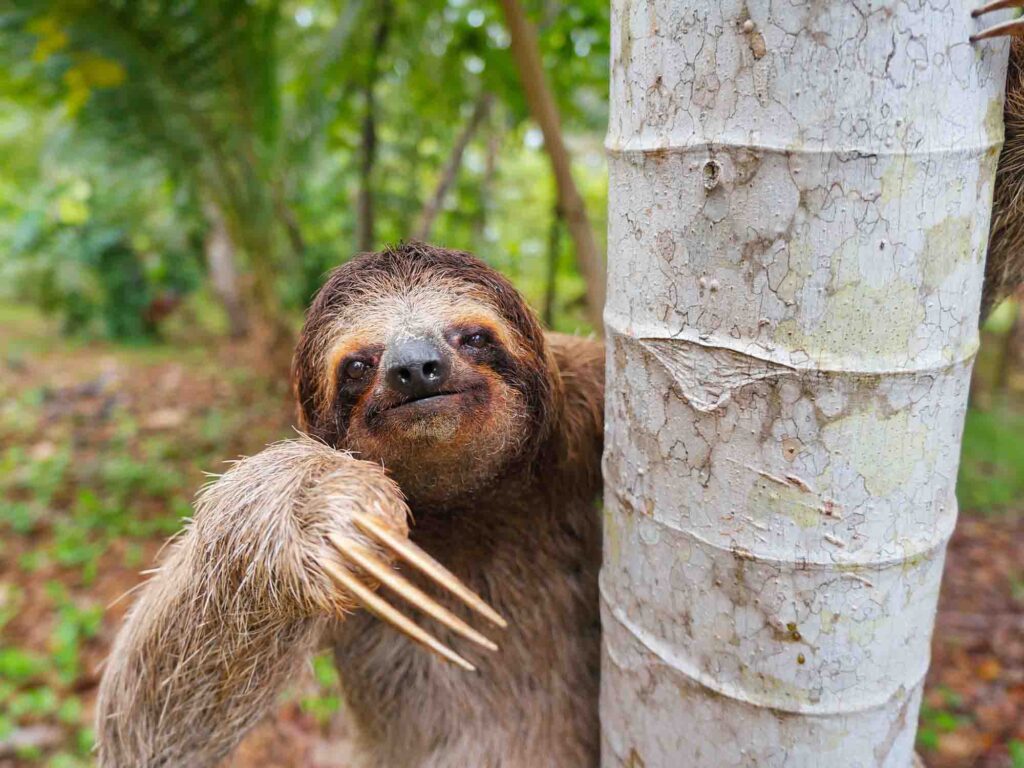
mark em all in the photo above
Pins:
pixel 581 369
pixel 239 602
pixel 1004 264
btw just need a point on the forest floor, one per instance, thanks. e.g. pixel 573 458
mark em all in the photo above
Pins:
pixel 102 448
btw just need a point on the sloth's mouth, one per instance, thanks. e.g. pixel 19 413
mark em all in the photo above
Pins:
pixel 450 407
pixel 425 401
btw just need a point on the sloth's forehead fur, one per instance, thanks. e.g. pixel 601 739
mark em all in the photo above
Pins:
pixel 388 314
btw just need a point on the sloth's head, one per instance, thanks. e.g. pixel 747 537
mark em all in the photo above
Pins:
pixel 428 361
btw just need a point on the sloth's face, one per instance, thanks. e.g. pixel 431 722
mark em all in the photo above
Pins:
pixel 429 380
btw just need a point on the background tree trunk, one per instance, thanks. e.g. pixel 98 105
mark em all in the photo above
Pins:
pixel 364 203
pixel 221 261
pixel 799 206
pixel 485 190
pixel 290 222
pixel 551 278
pixel 545 112
pixel 451 169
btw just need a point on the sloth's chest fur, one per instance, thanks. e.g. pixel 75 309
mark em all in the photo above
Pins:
pixel 532 703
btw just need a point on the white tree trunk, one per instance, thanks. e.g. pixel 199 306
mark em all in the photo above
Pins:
pixel 799 207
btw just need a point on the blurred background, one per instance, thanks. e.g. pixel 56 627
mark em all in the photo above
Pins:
pixel 176 176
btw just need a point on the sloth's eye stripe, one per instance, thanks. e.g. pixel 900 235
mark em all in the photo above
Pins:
pixel 483 322
pixel 474 328
pixel 354 349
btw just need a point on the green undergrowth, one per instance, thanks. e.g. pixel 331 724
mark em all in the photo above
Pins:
pixel 992 459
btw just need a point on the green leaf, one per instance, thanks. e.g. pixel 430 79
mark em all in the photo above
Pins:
pixel 17 665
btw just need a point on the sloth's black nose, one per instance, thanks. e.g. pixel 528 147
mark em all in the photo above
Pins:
pixel 417 368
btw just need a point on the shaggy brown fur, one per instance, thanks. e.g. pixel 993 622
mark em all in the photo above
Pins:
pixel 1004 268
pixel 501 481
pixel 236 606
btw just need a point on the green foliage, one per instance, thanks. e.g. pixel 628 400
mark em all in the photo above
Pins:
pixel 17 666
pixel 258 107
pixel 92 245
pixel 992 464
pixel 38 688
pixel 325 700
pixel 191 86
pixel 937 720
pixel 100 510
pixel 74 624
pixel 1016 749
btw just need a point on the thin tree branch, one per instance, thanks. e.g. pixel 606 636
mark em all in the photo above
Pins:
pixel 551 281
pixel 364 203
pixel 545 112
pixel 451 169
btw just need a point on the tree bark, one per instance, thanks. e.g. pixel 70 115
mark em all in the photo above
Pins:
pixel 290 221
pixel 222 264
pixel 799 206
pixel 485 191
pixel 545 111
pixel 451 169
pixel 551 278
pixel 273 332
pixel 364 204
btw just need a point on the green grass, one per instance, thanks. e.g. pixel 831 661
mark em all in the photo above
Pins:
pixel 69 513
pixel 936 721
pixel 992 459
pixel 325 699
pixel 1016 749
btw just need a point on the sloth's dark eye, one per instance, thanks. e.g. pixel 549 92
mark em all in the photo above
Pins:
pixel 475 340
pixel 356 369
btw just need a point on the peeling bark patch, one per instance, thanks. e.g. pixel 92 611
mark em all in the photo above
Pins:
pixel 707 377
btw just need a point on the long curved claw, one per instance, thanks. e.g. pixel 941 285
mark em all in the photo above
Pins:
pixel 383 573
pixel 380 607
pixel 412 594
pixel 996 5
pixel 1005 28
pixel 419 559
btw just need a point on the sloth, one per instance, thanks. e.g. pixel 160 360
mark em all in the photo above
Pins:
pixel 449 460
pixel 448 463
pixel 1004 265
